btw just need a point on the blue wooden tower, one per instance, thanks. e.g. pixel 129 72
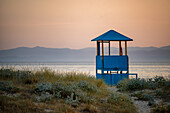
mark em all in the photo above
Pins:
pixel 112 68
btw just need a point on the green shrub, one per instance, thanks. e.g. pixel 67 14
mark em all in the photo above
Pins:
pixel 148 97
pixel 25 77
pixel 44 97
pixel 64 90
pixel 136 84
pixel 70 91
pixel 72 99
pixel 8 86
pixel 117 98
pixel 159 92
pixel 161 109
pixel 87 86
pixel 141 96
pixel 151 85
pixel 151 103
pixel 132 84
pixel 122 84
pixel 43 87
pixel 7 74
pixel 167 83
pixel 159 79
pixel 140 84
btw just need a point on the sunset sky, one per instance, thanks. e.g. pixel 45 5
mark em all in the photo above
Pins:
pixel 73 23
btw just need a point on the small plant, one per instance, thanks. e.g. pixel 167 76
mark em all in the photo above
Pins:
pixel 133 84
pixel 7 73
pixel 58 94
pixel 151 85
pixel 159 92
pixel 87 86
pixel 161 109
pixel 72 99
pixel 151 103
pixel 25 77
pixel 118 98
pixel 43 87
pixel 7 86
pixel 148 97
pixel 63 90
pixel 140 84
pixel 141 96
pixel 159 79
pixel 45 96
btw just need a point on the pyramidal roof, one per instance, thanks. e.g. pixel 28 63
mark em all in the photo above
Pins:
pixel 112 36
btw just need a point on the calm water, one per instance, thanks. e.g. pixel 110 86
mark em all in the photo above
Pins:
pixel 144 70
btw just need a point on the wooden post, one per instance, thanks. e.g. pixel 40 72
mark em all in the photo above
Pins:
pixel 120 48
pixel 97 49
pixel 102 50
pixel 102 54
pixel 125 47
pixel 109 48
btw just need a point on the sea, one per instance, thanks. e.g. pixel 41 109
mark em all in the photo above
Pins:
pixel 143 69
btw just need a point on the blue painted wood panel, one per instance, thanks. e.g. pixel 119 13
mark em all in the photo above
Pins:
pixel 115 63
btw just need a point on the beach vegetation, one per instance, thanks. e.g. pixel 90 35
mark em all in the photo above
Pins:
pixel 49 91
pixel 161 109
pixel 150 90
pixel 140 84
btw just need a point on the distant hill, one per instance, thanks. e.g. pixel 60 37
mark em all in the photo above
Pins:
pixel 42 54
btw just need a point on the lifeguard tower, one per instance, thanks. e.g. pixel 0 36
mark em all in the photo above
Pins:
pixel 112 68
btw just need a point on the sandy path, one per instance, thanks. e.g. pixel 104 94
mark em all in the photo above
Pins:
pixel 141 106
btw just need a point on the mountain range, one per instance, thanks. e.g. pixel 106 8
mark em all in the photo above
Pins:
pixel 42 54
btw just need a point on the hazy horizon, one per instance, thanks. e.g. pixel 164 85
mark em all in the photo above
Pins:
pixel 76 49
pixel 41 54
pixel 73 23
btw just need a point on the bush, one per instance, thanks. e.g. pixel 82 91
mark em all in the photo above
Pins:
pixel 136 84
pixel 25 77
pixel 159 92
pixel 151 103
pixel 140 84
pixel 133 84
pixel 7 86
pixel 151 85
pixel 87 86
pixel 159 79
pixel 120 103
pixel 122 84
pixel 161 109
pixel 118 98
pixel 6 74
pixel 72 99
pixel 71 91
pixel 64 90
pixel 44 97
pixel 145 97
pixel 43 87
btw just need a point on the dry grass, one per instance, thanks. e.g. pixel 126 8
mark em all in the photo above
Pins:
pixel 92 94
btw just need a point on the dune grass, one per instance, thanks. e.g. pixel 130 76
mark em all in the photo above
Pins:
pixel 49 91
pixel 149 90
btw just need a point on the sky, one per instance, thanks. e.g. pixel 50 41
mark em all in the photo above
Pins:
pixel 73 23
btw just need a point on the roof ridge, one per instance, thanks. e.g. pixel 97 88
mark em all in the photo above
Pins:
pixel 112 35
